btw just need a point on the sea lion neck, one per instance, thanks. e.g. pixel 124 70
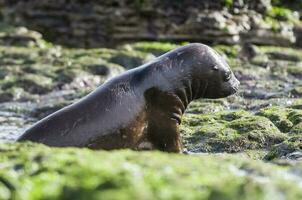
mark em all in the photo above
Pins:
pixel 174 74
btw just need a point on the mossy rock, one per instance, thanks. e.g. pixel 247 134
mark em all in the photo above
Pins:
pixel 206 106
pixel 283 14
pixel 37 172
pixel 296 104
pixel 130 59
pixel 229 132
pixel 19 36
pixel 104 69
pixel 295 70
pixel 67 75
pixel 297 129
pixel 35 83
pixel 229 51
pixel 286 119
pixel 279 116
pixel 156 48
pixel 32 83
pixel 40 69
pixel 15 94
pixel 297 91
pixel 281 150
pixel 260 60
pixel 285 51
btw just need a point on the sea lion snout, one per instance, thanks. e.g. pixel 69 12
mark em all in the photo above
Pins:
pixel 231 82
pixel 223 88
pixel 217 78
pixel 231 86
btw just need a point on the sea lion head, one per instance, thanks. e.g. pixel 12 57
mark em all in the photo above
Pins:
pixel 216 77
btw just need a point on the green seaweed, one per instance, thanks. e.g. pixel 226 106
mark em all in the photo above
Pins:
pixel 280 150
pixel 229 132
pixel 50 173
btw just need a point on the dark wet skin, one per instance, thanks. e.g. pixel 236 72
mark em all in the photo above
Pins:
pixel 141 108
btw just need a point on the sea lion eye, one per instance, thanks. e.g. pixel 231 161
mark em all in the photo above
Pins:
pixel 227 76
pixel 215 67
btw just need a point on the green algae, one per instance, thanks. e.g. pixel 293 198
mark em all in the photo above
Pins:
pixel 156 48
pixel 37 172
pixel 283 14
pixel 285 50
pixel 130 59
pixel 49 173
pixel 291 145
pixel 257 154
pixel 286 119
pixel 229 51
pixel 228 3
pixel 206 106
pixel 297 91
pixel 296 104
pixel 279 116
pixel 44 69
pixel 229 132
pixel 295 70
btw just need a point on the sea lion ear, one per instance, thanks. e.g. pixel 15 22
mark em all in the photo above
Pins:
pixel 215 68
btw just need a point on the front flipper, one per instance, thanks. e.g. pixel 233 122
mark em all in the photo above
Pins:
pixel 164 111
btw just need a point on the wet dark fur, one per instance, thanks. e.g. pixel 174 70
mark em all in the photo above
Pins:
pixel 141 108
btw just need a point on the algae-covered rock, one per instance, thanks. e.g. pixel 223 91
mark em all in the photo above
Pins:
pixel 297 91
pixel 36 84
pixel 37 172
pixel 229 132
pixel 43 69
pixel 283 150
pixel 19 36
pixel 286 119
pixel 279 116
pixel 295 70
pixel 130 58
pixel 207 106
pixel 297 104
pixel 156 48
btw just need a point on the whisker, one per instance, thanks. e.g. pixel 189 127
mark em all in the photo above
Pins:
pixel 205 89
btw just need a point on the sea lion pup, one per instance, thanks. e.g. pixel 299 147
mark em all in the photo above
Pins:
pixel 141 106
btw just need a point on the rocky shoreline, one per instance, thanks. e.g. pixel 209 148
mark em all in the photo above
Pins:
pixel 247 146
pixel 108 23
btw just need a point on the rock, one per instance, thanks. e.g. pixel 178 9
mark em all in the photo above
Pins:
pixel 269 37
pixel 297 91
pixel 296 155
pixel 286 119
pixel 298 35
pixel 248 51
pixel 229 132
pixel 20 37
pixel 36 84
pixel 95 24
pixel 286 149
pixel 28 170
pixel 295 70
pixel 283 56
pixel 261 6
pixel 281 117
pixel 6 96
pixel 131 59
